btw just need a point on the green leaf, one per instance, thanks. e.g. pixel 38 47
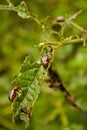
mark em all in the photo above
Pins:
pixel 23 10
pixel 29 81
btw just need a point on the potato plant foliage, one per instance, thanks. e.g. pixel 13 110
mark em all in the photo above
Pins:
pixel 32 75
pixel 29 81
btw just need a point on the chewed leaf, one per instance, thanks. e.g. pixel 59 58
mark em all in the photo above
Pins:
pixel 28 81
pixel 26 64
pixel 25 118
pixel 23 10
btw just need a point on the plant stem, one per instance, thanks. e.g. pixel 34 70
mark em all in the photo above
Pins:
pixel 7 7
pixel 73 41
pixel 61 43
pixel 77 26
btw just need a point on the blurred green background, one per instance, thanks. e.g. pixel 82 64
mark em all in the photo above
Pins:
pixel 18 38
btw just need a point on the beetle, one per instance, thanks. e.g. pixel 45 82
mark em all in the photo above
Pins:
pixel 46 59
pixel 59 19
pixel 13 93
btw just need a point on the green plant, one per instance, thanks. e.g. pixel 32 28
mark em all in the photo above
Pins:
pixel 32 75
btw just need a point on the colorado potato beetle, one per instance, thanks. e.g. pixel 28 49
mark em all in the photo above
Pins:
pixel 59 19
pixel 13 93
pixel 46 59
